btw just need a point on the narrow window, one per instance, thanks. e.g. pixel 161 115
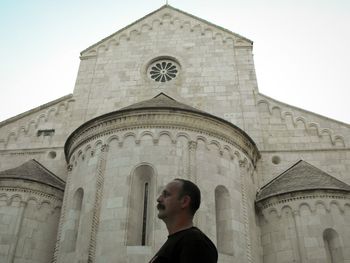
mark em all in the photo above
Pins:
pixel 71 234
pixel 332 245
pixel 140 212
pixel 144 219
pixel 224 229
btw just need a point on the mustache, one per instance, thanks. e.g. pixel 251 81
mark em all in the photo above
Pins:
pixel 160 206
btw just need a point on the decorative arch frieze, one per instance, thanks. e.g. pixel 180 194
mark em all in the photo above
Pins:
pixel 24 195
pixel 309 126
pixel 32 125
pixel 182 22
pixel 310 201
pixel 174 135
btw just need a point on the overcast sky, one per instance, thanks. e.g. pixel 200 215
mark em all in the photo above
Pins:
pixel 301 47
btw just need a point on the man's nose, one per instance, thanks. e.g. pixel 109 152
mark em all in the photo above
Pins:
pixel 159 198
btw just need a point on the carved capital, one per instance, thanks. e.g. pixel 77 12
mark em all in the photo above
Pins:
pixel 296 213
pixel 242 163
pixel 104 148
pixel 192 145
pixel 70 167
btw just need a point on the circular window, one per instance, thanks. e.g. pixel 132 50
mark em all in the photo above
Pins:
pixel 163 70
pixel 52 155
pixel 276 159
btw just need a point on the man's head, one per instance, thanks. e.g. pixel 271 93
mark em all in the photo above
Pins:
pixel 190 189
pixel 179 197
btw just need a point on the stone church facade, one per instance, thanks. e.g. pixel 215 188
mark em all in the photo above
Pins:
pixel 172 96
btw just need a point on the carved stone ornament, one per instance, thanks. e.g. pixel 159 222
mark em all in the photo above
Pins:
pixel 119 122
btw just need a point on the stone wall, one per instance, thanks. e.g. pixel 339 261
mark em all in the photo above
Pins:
pixel 291 134
pixel 296 227
pixel 29 215
pixel 216 69
pixel 37 134
pixel 106 161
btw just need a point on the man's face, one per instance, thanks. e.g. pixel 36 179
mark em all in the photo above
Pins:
pixel 169 203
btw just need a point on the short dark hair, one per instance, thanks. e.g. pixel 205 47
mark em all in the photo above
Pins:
pixel 192 190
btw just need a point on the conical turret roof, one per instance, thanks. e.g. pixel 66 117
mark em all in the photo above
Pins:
pixel 302 176
pixel 33 171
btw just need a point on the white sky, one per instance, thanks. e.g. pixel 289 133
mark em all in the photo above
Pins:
pixel 301 47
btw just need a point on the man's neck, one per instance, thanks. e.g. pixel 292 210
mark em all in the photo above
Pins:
pixel 176 227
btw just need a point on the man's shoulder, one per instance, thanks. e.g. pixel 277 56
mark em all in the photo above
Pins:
pixel 195 235
pixel 194 232
pixel 197 246
pixel 189 245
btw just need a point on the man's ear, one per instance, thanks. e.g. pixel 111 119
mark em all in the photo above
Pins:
pixel 186 201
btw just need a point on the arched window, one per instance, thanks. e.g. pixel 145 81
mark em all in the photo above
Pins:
pixel 332 245
pixel 71 234
pixel 141 206
pixel 224 230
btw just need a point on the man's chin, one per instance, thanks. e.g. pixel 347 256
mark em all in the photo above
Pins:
pixel 160 214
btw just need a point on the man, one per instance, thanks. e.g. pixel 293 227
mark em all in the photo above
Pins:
pixel 176 206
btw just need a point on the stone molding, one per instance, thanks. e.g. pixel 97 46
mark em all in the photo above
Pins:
pixel 67 196
pixel 172 17
pixel 334 139
pixel 248 245
pixel 294 201
pixel 101 166
pixel 121 125
pixel 87 151
pixel 31 126
pixel 25 195
pixel 192 147
pixel 27 153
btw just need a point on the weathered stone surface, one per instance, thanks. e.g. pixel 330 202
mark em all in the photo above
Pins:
pixel 125 132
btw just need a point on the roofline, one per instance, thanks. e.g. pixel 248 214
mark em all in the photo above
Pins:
pixel 303 110
pixel 36 109
pixel 302 190
pixel 48 171
pixel 86 124
pixel 155 11
pixel 274 179
pixel 278 176
pixel 37 181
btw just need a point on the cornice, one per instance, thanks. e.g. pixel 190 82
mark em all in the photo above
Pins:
pixel 285 199
pixel 166 119
pixel 172 14
pixel 7 190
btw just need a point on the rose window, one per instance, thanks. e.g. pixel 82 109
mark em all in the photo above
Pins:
pixel 163 71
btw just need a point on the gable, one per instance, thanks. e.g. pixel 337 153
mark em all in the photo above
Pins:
pixel 167 15
pixel 302 176
pixel 32 170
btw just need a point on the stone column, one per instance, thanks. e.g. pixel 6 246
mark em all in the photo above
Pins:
pixel 66 197
pixel 300 250
pixel 248 245
pixel 18 226
pixel 192 147
pixel 101 166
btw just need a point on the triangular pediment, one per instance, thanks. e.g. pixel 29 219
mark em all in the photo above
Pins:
pixel 302 176
pixel 33 171
pixel 167 15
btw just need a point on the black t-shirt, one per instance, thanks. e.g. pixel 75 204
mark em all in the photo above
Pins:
pixel 187 246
